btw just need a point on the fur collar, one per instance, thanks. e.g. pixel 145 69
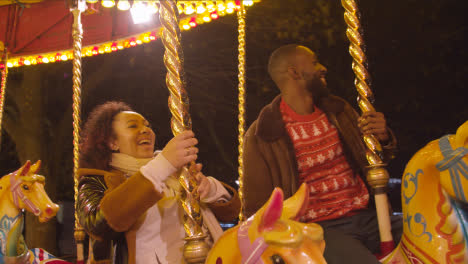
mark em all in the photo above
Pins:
pixel 270 126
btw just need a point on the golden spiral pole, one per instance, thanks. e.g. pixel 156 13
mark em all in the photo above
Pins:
pixel 3 86
pixel 241 128
pixel 195 249
pixel 79 6
pixel 377 175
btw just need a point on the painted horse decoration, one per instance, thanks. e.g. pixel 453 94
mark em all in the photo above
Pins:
pixel 23 190
pixel 272 236
pixel 435 205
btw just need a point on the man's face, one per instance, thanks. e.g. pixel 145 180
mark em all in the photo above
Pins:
pixel 313 73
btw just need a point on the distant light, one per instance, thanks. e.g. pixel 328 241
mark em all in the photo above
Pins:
pixel 189 9
pixel 64 57
pixel 140 14
pixel 27 62
pixel 123 5
pixel 221 7
pixel 193 23
pixel 45 60
pixel 108 3
pixel 231 5
pixel 230 10
pixel 248 2
pixel 91 1
pixel 210 6
pixel 214 16
pixel 237 182
pixel 206 18
pixel 201 9
pixel 152 7
pixel 186 26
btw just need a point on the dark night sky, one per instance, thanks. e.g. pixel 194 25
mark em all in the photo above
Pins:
pixel 417 60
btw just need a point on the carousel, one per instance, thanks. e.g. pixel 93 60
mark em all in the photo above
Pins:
pixel 437 174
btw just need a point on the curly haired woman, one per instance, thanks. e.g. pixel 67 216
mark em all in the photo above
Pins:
pixel 128 195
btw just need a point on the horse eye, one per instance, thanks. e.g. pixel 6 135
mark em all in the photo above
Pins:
pixel 277 259
pixel 25 187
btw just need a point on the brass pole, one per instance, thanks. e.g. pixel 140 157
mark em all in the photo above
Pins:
pixel 195 248
pixel 3 58
pixel 241 37
pixel 79 6
pixel 377 175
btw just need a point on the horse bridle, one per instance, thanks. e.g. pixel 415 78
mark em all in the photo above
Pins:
pixel 454 163
pixel 18 194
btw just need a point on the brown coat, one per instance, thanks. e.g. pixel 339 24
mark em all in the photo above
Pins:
pixel 110 208
pixel 269 157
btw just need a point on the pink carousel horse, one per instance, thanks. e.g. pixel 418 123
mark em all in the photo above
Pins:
pixel 20 190
pixel 435 205
pixel 272 236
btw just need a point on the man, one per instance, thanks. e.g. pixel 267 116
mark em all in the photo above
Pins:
pixel 306 135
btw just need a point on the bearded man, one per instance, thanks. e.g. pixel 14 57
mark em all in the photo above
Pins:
pixel 307 135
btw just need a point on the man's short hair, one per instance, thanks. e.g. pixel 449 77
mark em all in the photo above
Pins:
pixel 281 58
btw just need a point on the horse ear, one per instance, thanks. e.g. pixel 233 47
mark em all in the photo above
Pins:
pixel 273 209
pixel 461 137
pixel 24 169
pixel 35 168
pixel 296 205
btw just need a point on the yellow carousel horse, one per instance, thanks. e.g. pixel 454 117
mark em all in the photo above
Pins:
pixel 272 236
pixel 435 206
pixel 20 190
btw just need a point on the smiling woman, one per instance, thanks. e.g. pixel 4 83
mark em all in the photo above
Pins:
pixel 128 195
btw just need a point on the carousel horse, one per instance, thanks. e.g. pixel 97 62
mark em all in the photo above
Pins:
pixel 435 205
pixel 20 190
pixel 272 236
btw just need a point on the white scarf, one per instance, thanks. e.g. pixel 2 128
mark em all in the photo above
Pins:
pixel 130 165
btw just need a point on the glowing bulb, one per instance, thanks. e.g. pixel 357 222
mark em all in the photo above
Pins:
pixel 152 7
pixel 193 23
pixel 214 16
pixel 221 7
pixel 230 10
pixel 210 6
pixel 201 9
pixel 206 18
pixel 231 5
pixel 189 9
pixel 248 2
pixel 64 57
pixel 9 64
pixel 180 8
pixel 27 62
pixel 108 3
pixel 91 1
pixel 45 60
pixel 123 5
pixel 140 13
pixel 186 26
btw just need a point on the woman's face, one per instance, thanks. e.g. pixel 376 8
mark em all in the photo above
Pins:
pixel 133 135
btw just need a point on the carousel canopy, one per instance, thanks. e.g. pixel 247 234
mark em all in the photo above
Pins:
pixel 35 31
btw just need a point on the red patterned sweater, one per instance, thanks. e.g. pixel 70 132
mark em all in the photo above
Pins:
pixel 334 190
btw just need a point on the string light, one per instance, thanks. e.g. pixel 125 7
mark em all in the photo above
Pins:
pixel 108 3
pixel 213 10
pixel 123 5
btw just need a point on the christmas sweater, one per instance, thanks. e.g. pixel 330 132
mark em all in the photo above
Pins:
pixel 335 191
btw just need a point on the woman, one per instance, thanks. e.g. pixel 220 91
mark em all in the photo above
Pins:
pixel 129 196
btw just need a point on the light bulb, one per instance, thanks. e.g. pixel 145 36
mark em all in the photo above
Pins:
pixel 108 3
pixel 123 5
